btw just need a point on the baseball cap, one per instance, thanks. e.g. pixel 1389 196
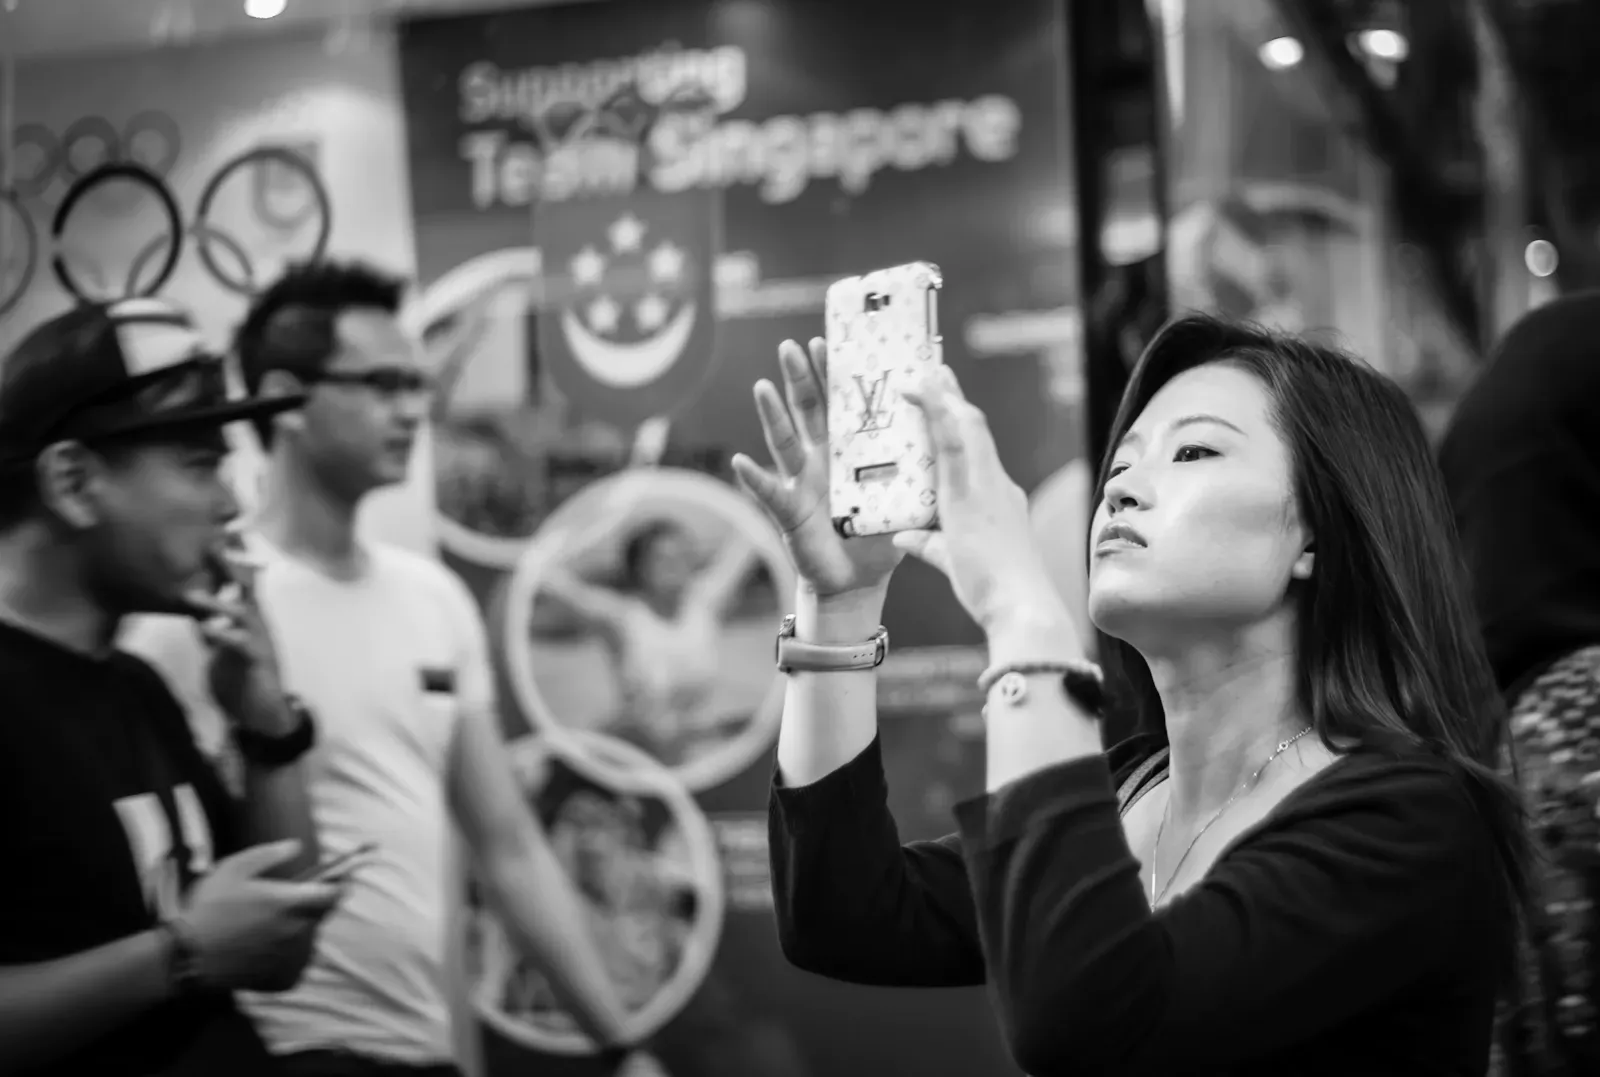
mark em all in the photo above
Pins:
pixel 112 370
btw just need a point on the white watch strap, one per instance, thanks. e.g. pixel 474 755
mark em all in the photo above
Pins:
pixel 800 656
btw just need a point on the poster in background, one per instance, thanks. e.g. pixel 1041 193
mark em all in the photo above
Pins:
pixel 185 112
pixel 620 209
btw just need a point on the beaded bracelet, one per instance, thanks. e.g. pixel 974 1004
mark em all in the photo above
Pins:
pixel 1081 681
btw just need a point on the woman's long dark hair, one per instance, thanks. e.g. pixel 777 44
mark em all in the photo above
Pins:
pixel 1388 650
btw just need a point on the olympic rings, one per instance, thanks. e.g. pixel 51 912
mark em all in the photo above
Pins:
pixel 50 152
pixel 97 178
pixel 150 139
pixel 24 236
pixel 207 237
pixel 89 129
pixel 272 216
pixel 148 125
pixel 201 234
pixel 57 157
pixel 280 155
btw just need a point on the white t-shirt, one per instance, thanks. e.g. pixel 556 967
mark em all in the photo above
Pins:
pixel 388 664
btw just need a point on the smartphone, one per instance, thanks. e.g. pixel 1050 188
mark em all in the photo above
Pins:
pixel 882 333
pixel 333 869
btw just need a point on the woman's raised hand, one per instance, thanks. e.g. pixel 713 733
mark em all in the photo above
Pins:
pixel 795 492
pixel 985 544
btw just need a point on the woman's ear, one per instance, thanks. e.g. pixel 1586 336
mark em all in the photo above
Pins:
pixel 1305 563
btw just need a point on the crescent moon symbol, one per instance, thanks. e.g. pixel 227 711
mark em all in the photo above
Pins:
pixel 628 366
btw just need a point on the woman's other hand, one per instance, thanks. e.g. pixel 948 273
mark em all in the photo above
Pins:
pixel 795 493
pixel 985 544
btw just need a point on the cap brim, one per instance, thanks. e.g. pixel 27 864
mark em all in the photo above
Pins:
pixel 215 415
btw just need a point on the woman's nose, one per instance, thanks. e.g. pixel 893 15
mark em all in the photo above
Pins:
pixel 1123 492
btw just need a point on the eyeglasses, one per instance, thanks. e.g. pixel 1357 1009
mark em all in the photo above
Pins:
pixel 388 380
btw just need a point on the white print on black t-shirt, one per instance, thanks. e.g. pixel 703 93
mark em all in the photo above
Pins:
pixel 150 841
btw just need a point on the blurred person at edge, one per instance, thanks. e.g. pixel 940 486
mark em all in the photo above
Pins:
pixel 388 646
pixel 1521 459
pixel 136 896
pixel 1307 865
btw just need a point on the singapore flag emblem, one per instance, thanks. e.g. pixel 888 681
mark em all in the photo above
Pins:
pixel 630 296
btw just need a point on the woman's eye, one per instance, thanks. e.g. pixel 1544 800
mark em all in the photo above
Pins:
pixel 1116 469
pixel 1190 453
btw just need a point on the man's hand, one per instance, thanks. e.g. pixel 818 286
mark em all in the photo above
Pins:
pixel 251 931
pixel 243 673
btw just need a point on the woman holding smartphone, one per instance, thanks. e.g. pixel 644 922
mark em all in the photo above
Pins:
pixel 1307 865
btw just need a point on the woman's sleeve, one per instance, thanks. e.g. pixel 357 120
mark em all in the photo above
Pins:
pixel 1350 898
pixel 853 903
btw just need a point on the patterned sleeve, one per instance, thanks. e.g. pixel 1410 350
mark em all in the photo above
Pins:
pixel 1552 1029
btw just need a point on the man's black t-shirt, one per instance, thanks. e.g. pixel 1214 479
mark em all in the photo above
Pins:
pixel 112 814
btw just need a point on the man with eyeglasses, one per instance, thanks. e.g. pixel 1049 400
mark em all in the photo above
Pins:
pixel 388 648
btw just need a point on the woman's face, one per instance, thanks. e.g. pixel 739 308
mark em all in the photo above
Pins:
pixel 1203 485
pixel 668 564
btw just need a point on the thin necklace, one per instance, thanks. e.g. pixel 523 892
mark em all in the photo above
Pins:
pixel 1244 787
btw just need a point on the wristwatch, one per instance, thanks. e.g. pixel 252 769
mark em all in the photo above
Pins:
pixel 798 656
pixel 265 750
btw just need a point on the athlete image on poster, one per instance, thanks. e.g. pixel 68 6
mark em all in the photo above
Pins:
pixel 646 610
pixel 644 862
pixel 661 623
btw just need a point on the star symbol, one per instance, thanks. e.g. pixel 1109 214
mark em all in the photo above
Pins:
pixel 603 315
pixel 588 266
pixel 650 312
pixel 626 233
pixel 666 263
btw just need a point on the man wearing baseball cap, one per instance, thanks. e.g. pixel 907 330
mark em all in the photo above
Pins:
pixel 128 912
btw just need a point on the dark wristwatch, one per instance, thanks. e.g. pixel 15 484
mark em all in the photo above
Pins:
pixel 264 750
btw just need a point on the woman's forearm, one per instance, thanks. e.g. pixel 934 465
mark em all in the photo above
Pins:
pixel 830 718
pixel 1045 727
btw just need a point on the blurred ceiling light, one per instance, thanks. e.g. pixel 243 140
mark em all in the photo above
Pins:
pixel 1388 45
pixel 1541 258
pixel 1282 53
pixel 264 9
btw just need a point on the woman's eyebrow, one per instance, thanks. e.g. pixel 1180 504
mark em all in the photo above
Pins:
pixel 1179 424
pixel 1191 420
